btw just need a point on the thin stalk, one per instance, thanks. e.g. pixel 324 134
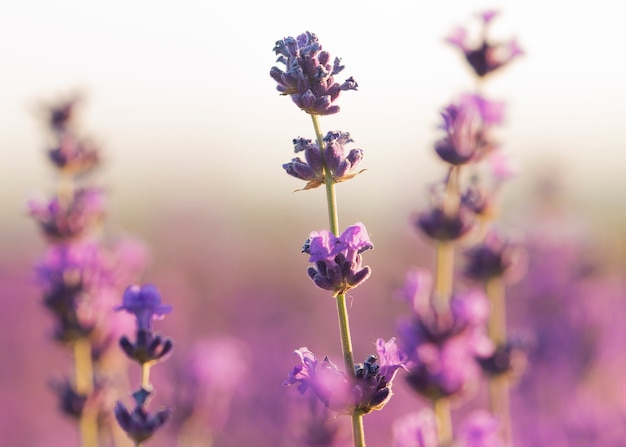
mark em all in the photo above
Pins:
pixel 329 182
pixel 443 416
pixel 444 285
pixel 445 249
pixel 499 385
pixel 358 432
pixel 495 290
pixel 83 365
pixel 444 274
pixel 145 375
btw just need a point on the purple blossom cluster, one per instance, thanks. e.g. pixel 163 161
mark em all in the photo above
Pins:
pixel 333 158
pixel 308 76
pixel 485 56
pixel 144 302
pixel 443 343
pixel 367 390
pixel 338 258
pixel 79 274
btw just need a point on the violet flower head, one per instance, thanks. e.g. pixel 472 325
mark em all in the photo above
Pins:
pixel 486 56
pixel 138 424
pixel 60 220
pixel 338 262
pixel 73 155
pixel 375 376
pixel 494 257
pixel 308 76
pixel 333 157
pixel 417 429
pixel 464 124
pixel 75 277
pixel 60 115
pixel 369 389
pixel 145 303
pixel 442 345
pixel 441 226
pixel 323 379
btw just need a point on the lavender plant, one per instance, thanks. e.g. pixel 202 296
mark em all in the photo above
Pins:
pixel 493 256
pixel 308 78
pixel 147 349
pixel 447 331
pixel 80 275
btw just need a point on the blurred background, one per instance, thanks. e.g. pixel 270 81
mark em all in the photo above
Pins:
pixel 194 133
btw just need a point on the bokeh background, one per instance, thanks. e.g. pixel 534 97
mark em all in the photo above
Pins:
pixel 194 134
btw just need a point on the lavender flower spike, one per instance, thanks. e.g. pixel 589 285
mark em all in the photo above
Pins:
pixel 309 77
pixel 145 303
pixel 341 166
pixel 138 424
pixel 486 57
pixel 338 259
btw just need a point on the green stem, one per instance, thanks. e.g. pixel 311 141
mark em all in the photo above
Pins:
pixel 329 182
pixel 499 385
pixel 444 274
pixel 443 416
pixel 145 376
pixel 83 365
pixel 358 432
pixel 344 333
pixel 445 249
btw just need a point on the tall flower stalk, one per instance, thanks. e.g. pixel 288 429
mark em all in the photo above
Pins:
pixel 148 348
pixel 79 274
pixel 308 78
pixel 492 256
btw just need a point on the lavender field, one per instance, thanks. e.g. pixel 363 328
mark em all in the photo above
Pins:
pixel 339 224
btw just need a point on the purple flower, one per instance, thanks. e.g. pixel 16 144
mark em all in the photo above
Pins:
pixel 375 376
pixel 309 76
pixel 442 345
pixel 323 378
pixel 417 429
pixel 369 389
pixel 494 257
pixel 60 115
pixel 438 225
pixel 333 158
pixel 73 155
pixel 61 220
pixel 464 123
pixel 485 57
pixel 338 259
pixel 145 303
pixel 138 424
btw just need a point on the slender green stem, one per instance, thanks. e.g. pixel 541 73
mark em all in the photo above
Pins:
pixel 495 290
pixel 444 275
pixel 499 385
pixel 145 375
pixel 358 432
pixel 329 182
pixel 83 365
pixel 344 332
pixel 445 249
pixel 443 416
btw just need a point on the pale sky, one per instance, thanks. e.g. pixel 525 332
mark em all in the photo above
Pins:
pixel 179 93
